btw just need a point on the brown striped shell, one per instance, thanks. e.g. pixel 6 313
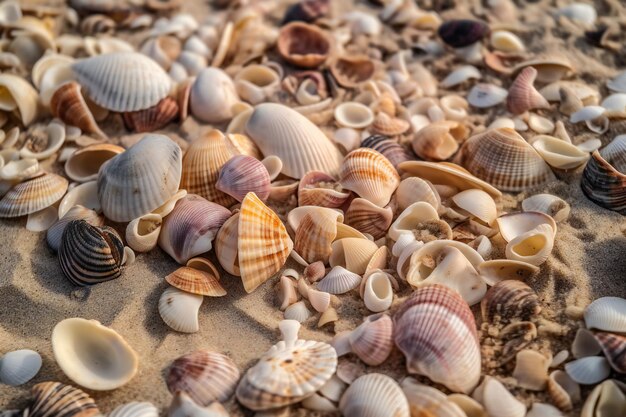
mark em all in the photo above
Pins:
pixel 68 104
pixel 390 148
pixel 368 218
pixel 242 174
pixel 152 118
pixel 370 175
pixel 194 281
pixel 509 299
pixel 59 400
pixel 33 195
pixel 614 348
pixel 312 193
pixel 604 177
pixel 316 232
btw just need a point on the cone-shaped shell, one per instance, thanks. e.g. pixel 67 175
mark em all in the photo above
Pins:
pixel 604 177
pixel 92 355
pixel 195 281
pixel 263 242
pixel 505 160
pixel 54 398
pixel 522 94
pixel 203 375
pixel 33 195
pixel 372 340
pixel 84 164
pixel 141 179
pixel 508 300
pixel 301 145
pixel 153 118
pixel 242 174
pixel 179 310
pixel 374 395
pixel 123 81
pixel 68 104
pixel 435 330
pixel 369 174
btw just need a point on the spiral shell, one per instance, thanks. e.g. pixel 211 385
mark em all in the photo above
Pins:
pixel 33 195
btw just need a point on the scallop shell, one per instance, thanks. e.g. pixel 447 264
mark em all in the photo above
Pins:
pixel 84 164
pixel 278 130
pixel 33 195
pixel 204 376
pixel 553 206
pixel 303 45
pixel 315 233
pixel 558 153
pixel 478 204
pixel 339 281
pixel 498 401
pixel 435 330
pixel 414 189
pixel 195 281
pixel 135 409
pixel 374 395
pixel 242 174
pixel 369 174
pixel 179 310
pixel 123 81
pixel 92 355
pixel 352 70
pixel 19 366
pixel 438 141
pixel 589 370
pixel 68 104
pixel 429 401
pixel 19 95
pixel 152 118
pixel 496 270
pixel 522 94
pixel 372 340
pixel 563 390
pixel 298 311
pixel 352 253
pixel 484 96
pixel 54 398
pixel 604 177
pixel 183 406
pixel 320 189
pixel 90 255
pixel 391 149
pixel 213 95
pixel 78 212
pixel 614 348
pixel 505 160
pixel 126 186
pixel 368 218
pixel 142 233
pixel 510 299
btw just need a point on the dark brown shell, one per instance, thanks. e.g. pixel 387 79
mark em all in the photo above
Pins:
pixel 68 104
pixel 509 299
pixel 462 32
pixel 53 399
pixel 307 11
pixel 303 45
pixel 604 177
pixel 153 118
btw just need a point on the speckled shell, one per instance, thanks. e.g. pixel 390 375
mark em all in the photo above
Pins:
pixel 242 174
pixel 195 281
pixel 68 104
pixel 123 81
pixel 301 145
pixel 391 149
pixel 374 395
pixel 33 195
pixel 369 174
pixel 59 400
pixel 368 218
pixel 372 340
pixel 604 177
pixel 90 255
pixel 505 160
pixel 127 186
pixel 510 299
pixel 152 118
pixel 78 212
pixel 310 195
pixel 435 330
pixel 204 375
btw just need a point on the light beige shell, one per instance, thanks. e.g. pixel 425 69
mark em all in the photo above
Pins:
pixel 498 401
pixel 533 247
pixel 372 340
pixel 374 395
pixel 320 189
pixel 411 218
pixel 439 140
pixel 607 398
pixel 558 153
pixel 179 309
pixel 142 233
pixel 213 97
pixel 550 67
pixel 368 218
pixel 352 253
pixel 496 270
pixel 429 401
pixel 315 233
pixel 256 83
pixel 377 290
pixel 84 164
pixel 226 245
pixel 33 195
pixel 553 206
pixel 18 95
pixel 478 204
pixel 49 397
pixel 531 369
pixel 564 391
pixel 414 189
pixel 370 175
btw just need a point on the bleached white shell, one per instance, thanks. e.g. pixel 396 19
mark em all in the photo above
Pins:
pixel 513 225
pixel 587 113
pixel 19 170
pixel 354 115
pixel 607 399
pixel 618 83
pixel 142 233
pixel 589 370
pixel 378 293
pixel 608 314
pixel 558 153
pixel 477 203
pixel 540 124
pixel 362 23
pixel 498 401
pixel 135 409
pixel 486 95
pixel 553 206
pixel 213 96
pixel 374 395
pixel 339 281
pixel 615 102
pixel 544 410
pixel 19 366
pixel 298 311
pixel 414 214
pixel 42 220
pixel 533 246
pixel 257 83
pixel 460 75
pixel 580 12
pixel 496 270
pixel 585 92
pixel 123 81
pixel 85 194
pixel 179 310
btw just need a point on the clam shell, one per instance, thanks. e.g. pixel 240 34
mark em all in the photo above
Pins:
pixel 412 218
pixel 460 75
pixel 522 94
pixel 339 281
pixel 414 189
pixel 506 41
pixel 607 398
pixel 589 370
pixel 242 174
pixel 614 348
pixel 90 255
pixel 320 189
pixel 374 395
pixel 429 401
pixel 123 81
pixel 204 376
pixel 585 344
pixel 15 171
pixel 142 233
pixel 319 300
pixel 213 95
pixel 352 253
pixel 278 130
pixel 84 164
pixel 195 281
pixel 54 398
pixel 377 292
pixel 19 95
pixel 92 355
pixel 553 206
pixel 152 118
pixel 505 160
pixel 40 221
pixel 604 177
pixel 352 70
pixel 68 104
pixel 298 311
pixel 550 68
pixel 471 407
pixel 531 370
pixel 478 204
pixel 183 406
pixel 78 212
pixel 369 174
pixel 126 186
pixel 353 114
pixel 372 340
pixel 368 218
pixel 53 136
pixel 303 45
pixel 85 194
pixel 484 96
pixel 513 225
pixel 580 12
pixel 33 195
pixel 563 390
pixel 393 151
pixel 533 247
pixel 435 330
pixel 496 270
pixel 226 245
pixel 558 153
pixel 510 299
pixel 498 401
pixel 179 309
pixel 19 366
pixel 135 409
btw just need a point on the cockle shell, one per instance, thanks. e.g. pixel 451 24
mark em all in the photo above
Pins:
pixel 278 130
pixel 19 170
pixel 33 195
pixel 183 406
pixel 142 233
pixel 84 164
pixel 435 330
pixel 190 228
pixel 414 189
pixel 320 189
pixel 498 401
pixel 608 314
pixel 123 81
pixel 352 253
pixel 496 270
pixel 352 70
pixel 179 310
pixel 558 153
pixel 68 104
pixel 203 375
pixel 614 348
pixel 438 141
pixel 78 212
pixel 588 370
pixel 242 174
pixel 428 401
pixel 372 340
pixel 522 94
pixel 315 233
pixel 152 118
pixel 553 206
pixel 510 299
pixel 607 399
pixel 303 45
pixel 369 218
pixel 374 395
pixel 92 355
pixel 533 246
pixel 19 366
pixel 369 174
pixel 213 96
pixel 339 281
pixel 126 186
pixel 604 177
pixel 196 281
pixel 90 255
pixel 54 398
pixel 135 409
pixel 390 148
pixel 505 160
pixel 18 94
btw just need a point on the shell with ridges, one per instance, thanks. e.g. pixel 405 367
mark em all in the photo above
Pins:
pixel 498 401
pixel 369 218
pixel 522 94
pixel 78 212
pixel 563 390
pixel 242 174
pixel 614 348
pixel 390 148
pixel 553 206
pixel 183 406
pixel 179 309
pixel 439 140
pixel 604 177
pixel 352 253
pixel 369 174
pixel 310 193
pixel 152 118
pixel 510 299
pixel 33 195
pixel 415 189
pixel 54 398
pixel 195 281
pixel 135 409
pixel 372 340
pixel 19 366
pixel 315 233
pixel 68 104
pixel 339 281
pixel 588 370
pixel 374 395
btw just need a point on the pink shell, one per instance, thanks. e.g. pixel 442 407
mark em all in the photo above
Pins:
pixel 372 341
pixel 242 174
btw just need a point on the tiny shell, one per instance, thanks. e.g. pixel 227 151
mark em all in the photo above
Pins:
pixel 564 391
pixel 19 366
pixel 179 310
pixel 533 246
pixel 531 370
pixel 429 401
pixel 377 291
pixel 498 401
pixel 368 218
pixel 390 148
pixel 460 75
pixel 389 126
pixel 462 32
pixel 142 233
pixel 183 406
pixel 374 395
pixel 414 189
pixel 352 253
pixel 310 193
pixel 477 203
pixel 438 141
pixel 152 118
pixel 506 41
pixel 486 95
pixel 354 115
pixel 339 281
pixel 614 347
pixel 68 104
pixel 510 299
pixel 298 311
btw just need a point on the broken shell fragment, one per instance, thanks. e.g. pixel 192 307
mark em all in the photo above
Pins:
pixel 303 45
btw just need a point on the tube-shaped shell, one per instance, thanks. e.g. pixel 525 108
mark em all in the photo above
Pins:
pixel 19 366
pixel 369 174
pixel 374 395
pixel 522 94
pixel 301 145
pixel 17 93
pixel 84 164
pixel 352 253
pixel 369 218
pixel 92 355
pixel 608 314
pixel 435 330
pixel 142 233
pixel 179 310
pixel 213 96
pixel 68 104
pixel 242 174
pixel 33 195
pixel 604 177
pixel 312 193
pixel 372 340
pixel 533 247
pixel 54 398
pixel 127 185
pixel 123 81
pixel 195 281
pixel 428 401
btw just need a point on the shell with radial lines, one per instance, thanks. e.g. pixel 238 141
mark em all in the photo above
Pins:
pixel 370 175
pixel 33 195
pixel 60 400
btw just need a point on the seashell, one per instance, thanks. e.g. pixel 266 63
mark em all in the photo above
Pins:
pixel 163 49
pixel 19 366
pixel 213 96
pixel 78 212
pixel 540 124
pixel 256 83
pixel 478 204
pixel 370 175
pixel 412 218
pixel 551 205
pixel 135 409
pixel 614 348
pixel 339 281
pixel 522 94
pixel 196 45
pixel 531 370
pixel 33 195
pixel 315 233
pixel 414 189
pixel 618 83
pixel 190 228
pixel 368 218
pixel 563 390
pixel 92 355
pixel 20 170
pixel 242 174
pixel 130 173
pixel 393 151
pixel 320 189
pixel 97 24
pixel 123 81
pixel 85 194
pixel 196 281
pixel 425 400
pixel 68 104
pixel 152 118
pixel 352 253
pixel 362 23
pixel 286 292
pixel 549 68
pixel 278 130
pixel 142 233
pixel 226 245
pixel 204 376
pixel 435 330
pixel 372 340
pixel 509 299
pixel 484 96
pixel 303 45
pixel 40 221
pixel 306 11
pixel 374 395
pixel 352 70
pixel 53 136
pixel 506 41
pixel 354 115
pixel 438 141
pixel 585 344
pixel 558 153
pixel 179 309
pixel 505 160
pixel 471 407
pixel 314 272
pixel 192 62
pixel 605 399
pixel 462 32
pixel 497 270
pixel 607 314
pixel 615 102
pixel 389 126
pixel 589 370
pixel 604 177
pixel 273 165
pixel 498 401
pixel 579 12
pixel 54 398
pixel 376 291
pixel 183 406
pixel 19 96
pixel 298 311
pixel 532 247
pixel 84 164
pixel 460 75
pixel 513 225
pixel 582 92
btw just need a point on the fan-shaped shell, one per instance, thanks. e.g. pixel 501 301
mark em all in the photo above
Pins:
pixel 196 281
pixel 19 366
pixel 315 233
pixel 510 299
pixel 183 406
pixel 179 310
pixel 614 348
pixel 369 218
pixel 372 340
pixel 391 149
pixel 374 395
pixel 439 140
pixel 242 174
pixel 352 253
pixel 608 314
pixel 68 104
pixel 369 174
pixel 588 370
pixel 478 204
pixel 339 281
pixel 413 189
pixel 33 195
pixel 84 164
pixel 604 177
pixel 135 409
pixel 54 398
pixel 553 206
pixel 522 94
pixel 152 118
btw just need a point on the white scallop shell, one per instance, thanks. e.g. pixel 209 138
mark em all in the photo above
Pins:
pixel 589 370
pixel 460 75
pixel 486 95
pixel 498 401
pixel 608 314
pixel 256 83
pixel 374 395
pixel 19 366
pixel 362 23
pixel 213 96
pixel 135 409
pixel 179 310
pixel 339 281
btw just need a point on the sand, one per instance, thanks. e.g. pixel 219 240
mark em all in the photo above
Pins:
pixel 588 261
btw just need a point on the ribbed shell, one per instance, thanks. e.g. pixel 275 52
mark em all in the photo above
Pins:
pixel 316 232
pixel 123 81
pixel 311 195
pixel 369 174
pixel 141 179
pixel 59 400
pixel 152 118
pixel 510 299
pixel 505 160
pixel 390 148
pixel 19 366
pixel 204 375
pixel 389 126
pixel 614 347
pixel 339 281
pixel 367 217
pixel 301 145
pixel 90 255
pixel 372 341
pixel 263 243
pixel 135 409
pixel 226 245
pixel 242 174
pixel 195 281
pixel 607 313
pixel 435 330
pixel 522 94
pixel 179 309
pixel 33 195
pixel 604 177
pixel 78 212
pixel 374 395
pixel 68 104
pixel 426 401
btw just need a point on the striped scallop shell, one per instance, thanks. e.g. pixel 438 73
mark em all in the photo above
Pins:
pixel 370 175
pixel 339 281
pixel 135 409
pixel 90 255
pixel 390 148
pixel 78 212
pixel 522 94
pixel 368 218
pixel 123 81
pixel 59 400
pixel 242 174
pixel 310 193
pixel 33 195
pixel 374 395
pixel 300 144
pixel 435 330
pixel 614 348
pixel 510 299
pixel 204 375
pixel 316 232
pixel 152 118
pixel 372 340
pixel 141 179
pixel 263 242
pixel 352 253
pixel 68 104
pixel 505 160
pixel 604 177
pixel 195 281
